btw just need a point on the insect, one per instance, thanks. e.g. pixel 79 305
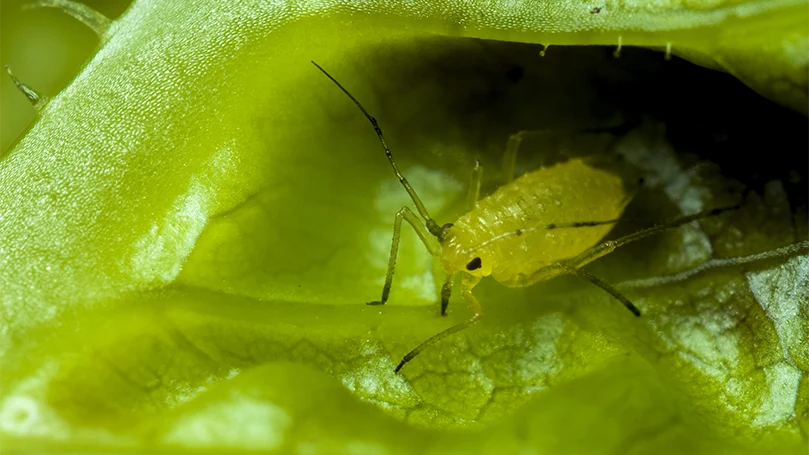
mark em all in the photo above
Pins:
pixel 519 235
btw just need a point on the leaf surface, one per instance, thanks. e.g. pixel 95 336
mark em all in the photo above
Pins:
pixel 190 228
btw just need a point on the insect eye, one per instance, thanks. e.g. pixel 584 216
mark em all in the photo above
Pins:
pixel 474 264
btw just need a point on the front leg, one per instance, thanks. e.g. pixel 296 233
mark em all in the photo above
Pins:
pixel 469 282
pixel 429 242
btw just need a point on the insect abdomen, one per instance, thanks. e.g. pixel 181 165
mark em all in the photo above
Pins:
pixel 563 193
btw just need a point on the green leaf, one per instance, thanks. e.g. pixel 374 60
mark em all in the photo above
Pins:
pixel 190 229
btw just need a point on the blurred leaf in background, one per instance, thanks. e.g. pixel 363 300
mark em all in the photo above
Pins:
pixel 46 49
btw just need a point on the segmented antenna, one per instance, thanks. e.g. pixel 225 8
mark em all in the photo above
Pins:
pixel 432 226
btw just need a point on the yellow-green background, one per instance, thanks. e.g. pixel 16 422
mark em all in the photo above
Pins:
pixel 201 207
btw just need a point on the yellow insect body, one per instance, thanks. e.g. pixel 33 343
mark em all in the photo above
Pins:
pixel 546 223
pixel 508 229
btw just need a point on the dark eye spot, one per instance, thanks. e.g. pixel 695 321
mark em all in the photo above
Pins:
pixel 474 264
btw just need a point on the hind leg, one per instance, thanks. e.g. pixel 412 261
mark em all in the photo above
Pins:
pixel 573 266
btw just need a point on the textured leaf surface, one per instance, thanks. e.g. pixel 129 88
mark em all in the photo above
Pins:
pixel 189 231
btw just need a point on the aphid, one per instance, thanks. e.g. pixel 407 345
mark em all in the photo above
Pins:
pixel 520 234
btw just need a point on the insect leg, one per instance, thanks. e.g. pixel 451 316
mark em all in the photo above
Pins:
pixel 606 287
pixel 473 305
pixel 513 147
pixel 510 155
pixel 573 266
pixel 425 236
pixel 446 292
pixel 609 246
pixel 474 185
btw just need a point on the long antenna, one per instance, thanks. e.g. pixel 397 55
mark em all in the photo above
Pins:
pixel 432 226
